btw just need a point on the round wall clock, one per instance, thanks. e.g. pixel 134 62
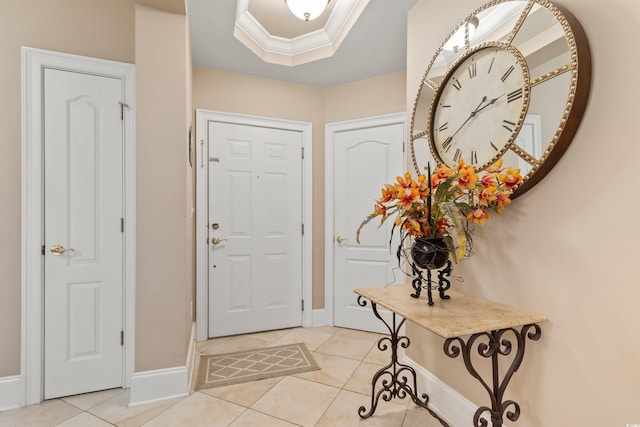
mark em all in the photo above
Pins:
pixel 510 82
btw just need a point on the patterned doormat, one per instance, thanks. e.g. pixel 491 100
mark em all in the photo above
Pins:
pixel 218 370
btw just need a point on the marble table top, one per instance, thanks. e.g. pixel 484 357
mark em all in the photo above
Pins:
pixel 461 315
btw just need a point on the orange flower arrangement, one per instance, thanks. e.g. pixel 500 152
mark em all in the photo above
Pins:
pixel 445 204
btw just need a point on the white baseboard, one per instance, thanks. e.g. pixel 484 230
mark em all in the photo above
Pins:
pixel 320 317
pixel 158 385
pixel 163 384
pixel 456 409
pixel 10 392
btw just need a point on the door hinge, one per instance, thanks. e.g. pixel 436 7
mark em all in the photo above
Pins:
pixel 303 152
pixel 303 229
pixel 122 105
pixel 42 249
pixel 121 337
pixel 122 225
pixel 302 305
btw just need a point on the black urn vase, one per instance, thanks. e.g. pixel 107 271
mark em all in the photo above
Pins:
pixel 430 253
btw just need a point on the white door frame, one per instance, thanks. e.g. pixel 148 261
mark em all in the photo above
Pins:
pixel 34 61
pixel 329 247
pixel 202 162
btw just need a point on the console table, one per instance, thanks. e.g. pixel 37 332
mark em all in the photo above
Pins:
pixel 493 329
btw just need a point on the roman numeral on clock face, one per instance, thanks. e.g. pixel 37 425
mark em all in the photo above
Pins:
pixel 508 125
pixel 457 155
pixel 516 94
pixel 474 157
pixel 444 126
pixel 472 70
pixel 506 75
pixel 456 83
pixel 493 146
pixel 447 144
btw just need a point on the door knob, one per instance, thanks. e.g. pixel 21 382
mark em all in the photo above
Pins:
pixel 216 240
pixel 340 239
pixel 58 250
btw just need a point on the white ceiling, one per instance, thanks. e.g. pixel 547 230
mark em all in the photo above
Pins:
pixel 375 46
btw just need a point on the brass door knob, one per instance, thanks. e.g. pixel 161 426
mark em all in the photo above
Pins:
pixel 58 250
pixel 340 240
pixel 216 240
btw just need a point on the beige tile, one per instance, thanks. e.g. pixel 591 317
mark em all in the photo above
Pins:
pixel 363 335
pixel 312 338
pixel 243 394
pixel 85 420
pixel 343 346
pixel 47 414
pixel 117 411
pixel 344 412
pixel 230 345
pixel 417 416
pixel 334 370
pixel 269 336
pixel 252 418
pixel 325 329
pixel 198 410
pixel 86 401
pixel 297 401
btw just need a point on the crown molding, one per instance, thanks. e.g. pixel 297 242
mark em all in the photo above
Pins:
pixel 302 49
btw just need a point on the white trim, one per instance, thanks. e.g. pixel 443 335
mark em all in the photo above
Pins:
pixel 456 409
pixel 159 385
pixel 202 117
pixel 34 61
pixel 191 356
pixel 320 317
pixel 330 130
pixel 10 392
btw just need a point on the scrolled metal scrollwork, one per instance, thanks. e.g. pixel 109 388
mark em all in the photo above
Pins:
pixel 492 345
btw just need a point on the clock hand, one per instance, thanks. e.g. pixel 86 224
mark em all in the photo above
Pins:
pixel 473 113
pixel 493 101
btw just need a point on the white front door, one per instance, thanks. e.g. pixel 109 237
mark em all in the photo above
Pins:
pixel 366 155
pixel 255 228
pixel 83 234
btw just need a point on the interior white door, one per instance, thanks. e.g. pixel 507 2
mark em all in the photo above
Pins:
pixel 255 228
pixel 83 252
pixel 365 158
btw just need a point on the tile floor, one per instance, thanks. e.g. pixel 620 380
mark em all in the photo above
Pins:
pixel 327 397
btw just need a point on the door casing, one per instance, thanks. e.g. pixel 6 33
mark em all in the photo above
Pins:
pixel 202 159
pixel 34 61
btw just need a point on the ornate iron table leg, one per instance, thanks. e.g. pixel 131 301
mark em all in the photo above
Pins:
pixel 497 344
pixel 396 379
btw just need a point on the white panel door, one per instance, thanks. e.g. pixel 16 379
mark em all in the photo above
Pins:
pixel 255 210
pixel 83 208
pixel 365 158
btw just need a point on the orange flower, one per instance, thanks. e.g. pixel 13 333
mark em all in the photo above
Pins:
pixel 467 178
pixel 380 209
pixel 503 198
pixel 407 196
pixel 487 195
pixel 406 181
pixel 496 167
pixel 388 193
pixel 510 178
pixel 489 180
pixel 423 186
pixel 478 216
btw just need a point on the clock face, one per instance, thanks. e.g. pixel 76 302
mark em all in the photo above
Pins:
pixel 510 82
pixel 480 107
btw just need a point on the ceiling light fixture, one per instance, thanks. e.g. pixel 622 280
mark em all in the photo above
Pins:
pixel 307 10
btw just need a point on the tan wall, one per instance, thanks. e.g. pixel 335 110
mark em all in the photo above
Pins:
pixel 567 248
pixel 163 215
pixel 243 94
pixel 157 42
pixel 98 29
